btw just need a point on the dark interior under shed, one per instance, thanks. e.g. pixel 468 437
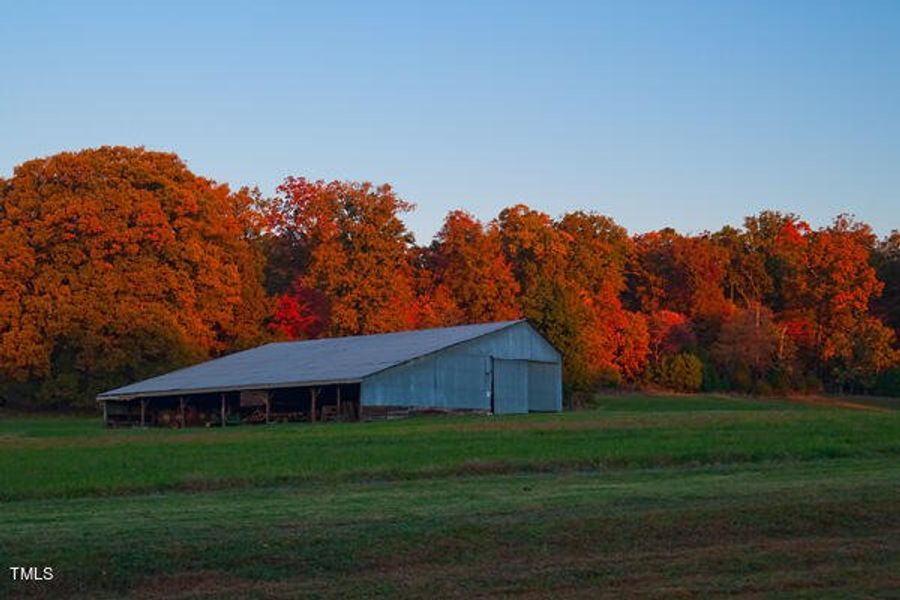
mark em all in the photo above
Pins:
pixel 333 402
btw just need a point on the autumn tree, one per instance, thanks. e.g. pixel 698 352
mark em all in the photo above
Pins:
pixel 119 263
pixel 571 273
pixel 351 251
pixel 669 333
pixel 681 274
pixel 596 256
pixel 465 277
pixel 682 372
pixel 747 342
pixel 561 316
pixel 886 261
pixel 651 267
pixel 532 246
pixel 300 313
pixel 779 241
pixel 842 284
pixel 537 253
pixel 596 253
pixel 861 354
pixel 746 279
pixel 632 344
pixel 116 264
pixel 771 269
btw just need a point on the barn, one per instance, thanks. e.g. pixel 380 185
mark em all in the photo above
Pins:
pixel 500 368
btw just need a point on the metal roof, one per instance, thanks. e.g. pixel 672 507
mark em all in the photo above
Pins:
pixel 291 364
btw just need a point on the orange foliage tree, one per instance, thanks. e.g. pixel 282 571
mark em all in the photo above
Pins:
pixel 681 274
pixel 118 263
pixel 886 260
pixel 352 254
pixel 572 273
pixel 852 346
pixel 596 256
pixel 537 253
pixel 464 276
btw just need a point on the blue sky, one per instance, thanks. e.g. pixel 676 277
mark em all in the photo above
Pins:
pixel 689 114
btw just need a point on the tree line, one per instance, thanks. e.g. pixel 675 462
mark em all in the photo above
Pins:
pixel 119 263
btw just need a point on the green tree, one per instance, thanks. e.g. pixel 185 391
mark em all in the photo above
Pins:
pixel 537 253
pixel 682 372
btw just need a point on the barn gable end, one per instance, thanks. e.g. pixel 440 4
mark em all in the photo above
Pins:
pixel 512 370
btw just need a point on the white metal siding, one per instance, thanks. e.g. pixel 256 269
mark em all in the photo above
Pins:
pixel 544 393
pixel 460 377
pixel 510 386
pixel 440 381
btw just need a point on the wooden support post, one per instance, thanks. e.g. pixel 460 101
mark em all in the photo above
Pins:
pixel 181 410
pixel 222 408
pixel 143 411
pixel 268 401
pixel 313 392
pixel 105 416
pixel 339 416
pixel 359 410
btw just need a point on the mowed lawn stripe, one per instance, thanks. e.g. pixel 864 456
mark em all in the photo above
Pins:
pixel 713 528
pixel 140 461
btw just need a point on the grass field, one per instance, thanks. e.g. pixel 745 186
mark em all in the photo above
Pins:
pixel 641 497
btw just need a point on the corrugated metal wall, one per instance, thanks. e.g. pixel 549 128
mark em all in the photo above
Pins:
pixel 463 377
pixel 544 386
pixel 510 386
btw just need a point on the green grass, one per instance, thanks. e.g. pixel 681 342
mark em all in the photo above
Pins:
pixel 642 496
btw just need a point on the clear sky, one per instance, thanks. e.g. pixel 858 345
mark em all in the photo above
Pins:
pixel 689 114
